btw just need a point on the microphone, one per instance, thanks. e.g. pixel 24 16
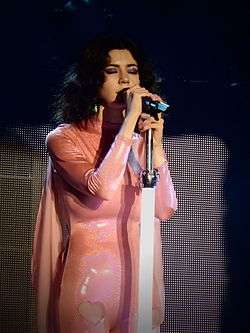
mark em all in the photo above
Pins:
pixel 153 107
pixel 150 105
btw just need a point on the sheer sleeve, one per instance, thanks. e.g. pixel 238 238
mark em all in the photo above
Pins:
pixel 165 195
pixel 71 164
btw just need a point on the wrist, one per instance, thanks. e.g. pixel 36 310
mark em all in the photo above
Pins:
pixel 128 125
pixel 159 157
pixel 158 162
pixel 157 145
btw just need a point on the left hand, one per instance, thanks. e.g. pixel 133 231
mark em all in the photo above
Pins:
pixel 146 121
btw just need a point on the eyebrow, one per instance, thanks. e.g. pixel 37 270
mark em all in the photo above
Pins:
pixel 115 65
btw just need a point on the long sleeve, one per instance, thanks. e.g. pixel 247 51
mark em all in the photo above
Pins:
pixel 70 162
pixel 165 195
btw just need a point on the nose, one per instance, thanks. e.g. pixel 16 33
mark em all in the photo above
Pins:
pixel 124 78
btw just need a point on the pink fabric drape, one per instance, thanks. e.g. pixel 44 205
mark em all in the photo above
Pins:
pixel 88 180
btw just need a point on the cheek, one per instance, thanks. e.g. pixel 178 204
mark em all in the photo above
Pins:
pixel 108 90
pixel 136 79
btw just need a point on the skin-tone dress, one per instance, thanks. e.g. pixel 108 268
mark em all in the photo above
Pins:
pixel 86 244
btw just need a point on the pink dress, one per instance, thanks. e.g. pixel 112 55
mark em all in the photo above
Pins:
pixel 86 244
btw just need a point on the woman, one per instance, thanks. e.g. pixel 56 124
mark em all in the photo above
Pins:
pixel 85 256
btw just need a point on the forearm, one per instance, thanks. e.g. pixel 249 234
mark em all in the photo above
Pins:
pixel 165 196
pixel 105 180
pixel 128 125
pixel 159 157
pixel 69 160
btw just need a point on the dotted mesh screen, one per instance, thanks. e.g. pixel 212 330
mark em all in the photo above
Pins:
pixel 194 253
pixel 23 162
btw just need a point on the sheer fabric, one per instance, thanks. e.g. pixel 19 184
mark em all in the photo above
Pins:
pixel 85 251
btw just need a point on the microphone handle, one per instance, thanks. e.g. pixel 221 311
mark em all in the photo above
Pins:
pixel 148 103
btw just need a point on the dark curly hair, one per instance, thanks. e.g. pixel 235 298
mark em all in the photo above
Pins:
pixel 79 92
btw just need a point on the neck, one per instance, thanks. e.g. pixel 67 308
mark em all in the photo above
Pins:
pixel 114 115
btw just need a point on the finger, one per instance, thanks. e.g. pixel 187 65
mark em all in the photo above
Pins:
pixel 136 89
pixel 145 115
pixel 147 124
pixel 152 120
pixel 145 127
pixel 147 119
pixel 156 97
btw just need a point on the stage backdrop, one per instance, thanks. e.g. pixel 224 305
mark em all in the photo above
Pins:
pixel 194 249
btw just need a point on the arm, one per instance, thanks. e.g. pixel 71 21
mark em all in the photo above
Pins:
pixel 165 195
pixel 70 163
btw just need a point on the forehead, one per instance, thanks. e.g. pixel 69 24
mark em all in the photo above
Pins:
pixel 121 57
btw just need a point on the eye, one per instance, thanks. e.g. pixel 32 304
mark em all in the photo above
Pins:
pixel 133 70
pixel 110 70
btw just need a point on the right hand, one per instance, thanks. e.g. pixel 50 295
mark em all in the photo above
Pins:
pixel 134 99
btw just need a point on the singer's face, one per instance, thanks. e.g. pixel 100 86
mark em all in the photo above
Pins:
pixel 121 72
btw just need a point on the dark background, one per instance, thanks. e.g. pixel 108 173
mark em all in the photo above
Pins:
pixel 201 49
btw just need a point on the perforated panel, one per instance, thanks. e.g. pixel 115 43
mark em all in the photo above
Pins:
pixel 193 240
pixel 23 161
